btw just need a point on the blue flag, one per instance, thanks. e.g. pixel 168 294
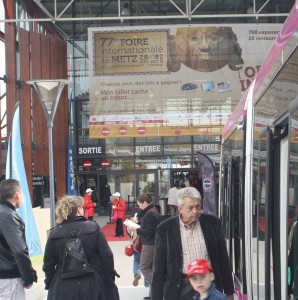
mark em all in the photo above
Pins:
pixel 15 169
pixel 71 190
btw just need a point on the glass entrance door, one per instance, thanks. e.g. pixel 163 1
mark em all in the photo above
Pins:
pixel 131 185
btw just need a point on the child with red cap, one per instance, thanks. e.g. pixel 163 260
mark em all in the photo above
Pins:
pixel 201 276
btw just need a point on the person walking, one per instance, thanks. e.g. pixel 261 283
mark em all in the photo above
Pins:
pixel 119 207
pixel 16 272
pixel 98 285
pixel 172 200
pixel 136 217
pixel 147 231
pixel 89 205
pixel 182 239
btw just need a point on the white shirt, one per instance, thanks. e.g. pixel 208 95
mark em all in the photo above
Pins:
pixel 193 243
pixel 172 200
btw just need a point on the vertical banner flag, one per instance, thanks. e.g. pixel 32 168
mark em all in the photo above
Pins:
pixel 71 190
pixel 209 189
pixel 15 169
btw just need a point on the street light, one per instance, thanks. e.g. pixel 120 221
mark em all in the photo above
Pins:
pixel 49 91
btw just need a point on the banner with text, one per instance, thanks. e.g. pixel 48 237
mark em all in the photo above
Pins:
pixel 171 80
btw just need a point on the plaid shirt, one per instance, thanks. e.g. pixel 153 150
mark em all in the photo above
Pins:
pixel 193 243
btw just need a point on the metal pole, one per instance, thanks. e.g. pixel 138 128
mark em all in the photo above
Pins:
pixel 44 89
pixel 110 213
pixel 51 174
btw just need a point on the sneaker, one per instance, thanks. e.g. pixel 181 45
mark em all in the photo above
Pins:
pixel 136 280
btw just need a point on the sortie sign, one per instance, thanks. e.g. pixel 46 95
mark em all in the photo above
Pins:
pixel 105 163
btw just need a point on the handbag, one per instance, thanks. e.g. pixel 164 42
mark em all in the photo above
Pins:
pixel 114 216
pixel 128 250
pixel 136 244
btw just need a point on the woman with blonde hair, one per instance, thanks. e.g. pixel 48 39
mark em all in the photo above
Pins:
pixel 97 285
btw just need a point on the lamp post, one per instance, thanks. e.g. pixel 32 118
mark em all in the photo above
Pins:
pixel 49 92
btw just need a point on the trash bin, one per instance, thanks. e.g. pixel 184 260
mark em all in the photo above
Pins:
pixel 163 202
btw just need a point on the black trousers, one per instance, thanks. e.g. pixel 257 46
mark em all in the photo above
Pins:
pixel 119 228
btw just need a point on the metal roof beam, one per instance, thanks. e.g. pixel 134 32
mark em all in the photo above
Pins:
pixel 37 2
pixel 66 7
pixel 113 18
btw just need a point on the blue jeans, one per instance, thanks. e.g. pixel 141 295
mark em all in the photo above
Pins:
pixel 136 266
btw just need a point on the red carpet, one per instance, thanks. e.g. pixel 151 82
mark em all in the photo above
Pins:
pixel 109 232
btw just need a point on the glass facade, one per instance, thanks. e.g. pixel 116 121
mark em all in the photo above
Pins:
pixel 150 163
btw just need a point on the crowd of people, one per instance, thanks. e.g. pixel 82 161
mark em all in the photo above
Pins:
pixel 182 258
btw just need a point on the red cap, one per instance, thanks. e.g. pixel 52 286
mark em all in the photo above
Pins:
pixel 199 266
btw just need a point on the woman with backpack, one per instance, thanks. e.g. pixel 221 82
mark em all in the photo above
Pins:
pixel 86 275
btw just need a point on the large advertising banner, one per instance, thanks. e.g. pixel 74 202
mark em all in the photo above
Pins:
pixel 171 80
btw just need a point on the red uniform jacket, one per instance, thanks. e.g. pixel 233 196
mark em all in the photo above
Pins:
pixel 88 205
pixel 121 207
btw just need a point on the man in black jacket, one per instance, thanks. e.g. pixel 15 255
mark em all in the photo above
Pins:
pixel 180 240
pixel 16 272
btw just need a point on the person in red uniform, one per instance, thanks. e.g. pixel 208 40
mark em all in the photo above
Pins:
pixel 89 205
pixel 119 207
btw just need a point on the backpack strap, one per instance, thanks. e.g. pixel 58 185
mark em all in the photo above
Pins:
pixel 82 228
pixel 78 234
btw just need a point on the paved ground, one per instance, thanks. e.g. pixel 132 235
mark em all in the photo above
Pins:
pixel 123 265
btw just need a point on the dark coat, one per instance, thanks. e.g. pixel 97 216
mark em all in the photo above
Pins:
pixel 167 267
pixel 14 254
pixel 99 285
pixel 149 222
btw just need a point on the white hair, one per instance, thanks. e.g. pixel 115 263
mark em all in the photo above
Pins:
pixel 190 192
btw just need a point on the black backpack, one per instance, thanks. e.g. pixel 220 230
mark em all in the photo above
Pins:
pixel 75 263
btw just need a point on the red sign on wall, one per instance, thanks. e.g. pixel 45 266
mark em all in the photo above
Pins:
pixel 105 163
pixel 87 165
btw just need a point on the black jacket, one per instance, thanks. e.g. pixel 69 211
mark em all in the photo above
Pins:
pixel 167 266
pixel 14 255
pixel 150 219
pixel 99 285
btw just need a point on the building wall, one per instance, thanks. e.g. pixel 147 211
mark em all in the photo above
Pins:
pixel 31 55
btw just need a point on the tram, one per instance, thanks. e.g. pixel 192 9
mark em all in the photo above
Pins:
pixel 258 194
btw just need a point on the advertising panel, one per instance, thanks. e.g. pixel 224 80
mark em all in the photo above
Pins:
pixel 171 80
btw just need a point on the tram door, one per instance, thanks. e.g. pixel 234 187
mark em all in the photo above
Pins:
pixel 275 213
pixel 262 269
pixel 291 238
